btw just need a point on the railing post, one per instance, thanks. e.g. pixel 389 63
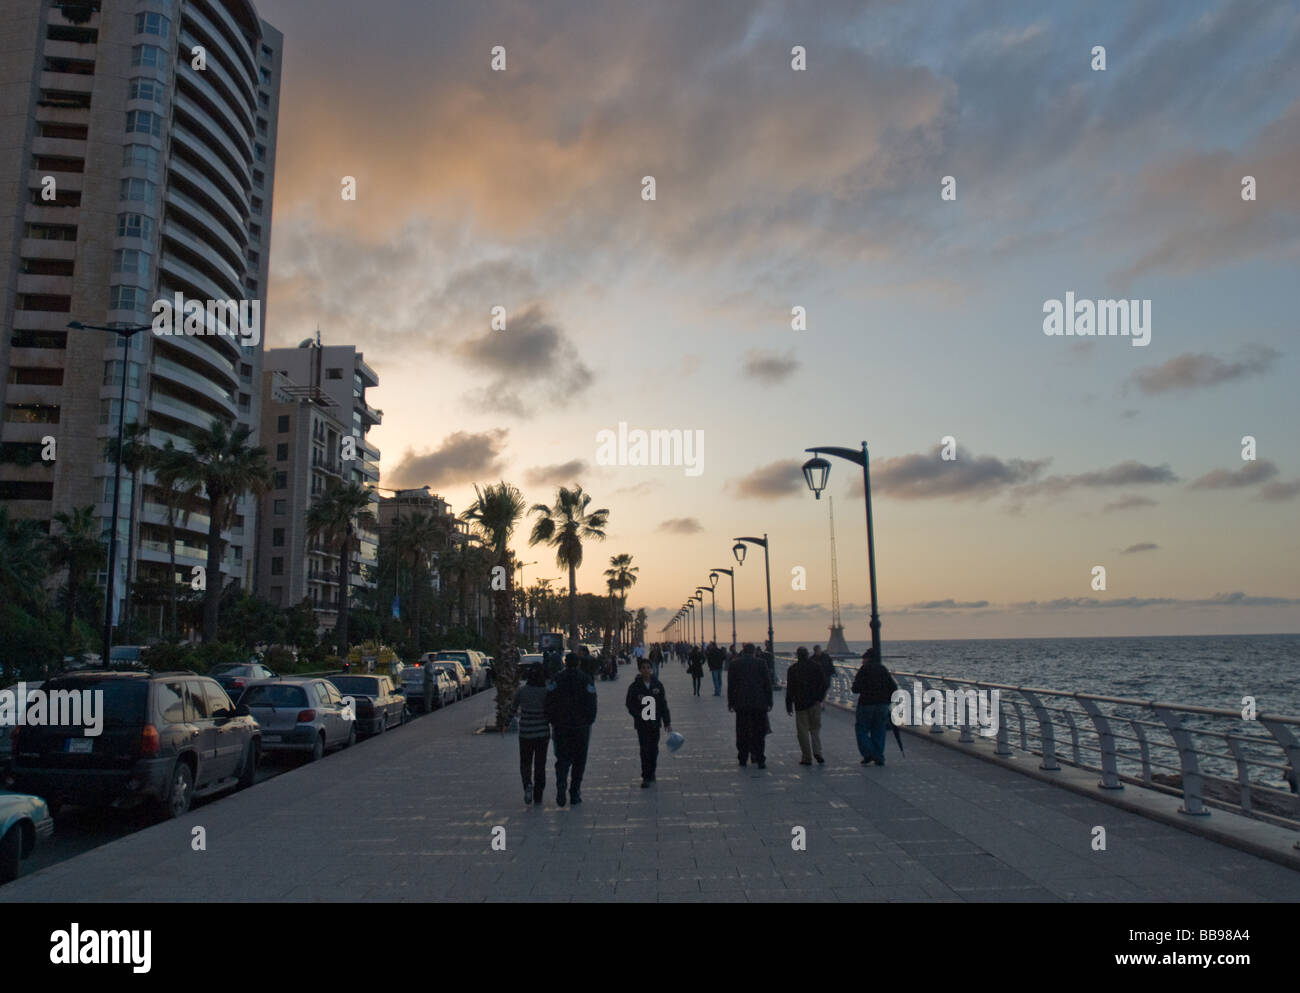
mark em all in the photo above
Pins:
pixel 1003 749
pixel 1074 737
pixel 966 737
pixel 937 726
pixel 1140 733
pixel 1020 723
pixel 1045 732
pixel 1192 804
pixel 1243 771
pixel 1109 767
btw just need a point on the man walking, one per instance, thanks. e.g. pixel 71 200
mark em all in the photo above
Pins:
pixel 716 656
pixel 874 686
pixel 827 665
pixel 534 732
pixel 805 686
pixel 749 694
pixel 648 705
pixel 571 710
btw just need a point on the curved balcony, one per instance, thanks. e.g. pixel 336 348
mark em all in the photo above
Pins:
pixel 180 410
pixel 198 216
pixel 239 183
pixel 222 208
pixel 224 271
pixel 196 348
pixel 159 552
pixel 235 128
pixel 230 32
pixel 175 375
pixel 178 372
pixel 202 285
pixel 236 95
pixel 216 140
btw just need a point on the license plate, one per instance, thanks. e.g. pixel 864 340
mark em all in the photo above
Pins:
pixel 271 737
pixel 81 746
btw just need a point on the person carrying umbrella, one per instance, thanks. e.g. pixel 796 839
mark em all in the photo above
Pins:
pixel 874 686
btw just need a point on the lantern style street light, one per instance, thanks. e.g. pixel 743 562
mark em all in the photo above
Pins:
pixel 697 596
pixel 739 551
pixel 816 472
pixel 713 578
pixel 713 605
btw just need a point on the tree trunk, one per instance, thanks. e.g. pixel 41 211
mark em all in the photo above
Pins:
pixel 573 608
pixel 70 601
pixel 507 673
pixel 212 599
pixel 345 562
pixel 171 576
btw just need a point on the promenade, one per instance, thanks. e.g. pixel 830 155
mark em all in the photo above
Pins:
pixel 410 816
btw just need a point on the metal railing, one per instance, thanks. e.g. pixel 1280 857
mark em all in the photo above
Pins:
pixel 1207 756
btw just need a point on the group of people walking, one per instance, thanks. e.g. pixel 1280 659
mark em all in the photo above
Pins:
pixel 565 709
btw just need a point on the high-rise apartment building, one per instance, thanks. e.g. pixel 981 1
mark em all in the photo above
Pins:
pixel 137 158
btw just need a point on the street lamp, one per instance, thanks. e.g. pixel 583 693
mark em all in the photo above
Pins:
pixel 125 333
pixel 739 551
pixel 713 578
pixel 697 596
pixel 816 472
pixel 713 604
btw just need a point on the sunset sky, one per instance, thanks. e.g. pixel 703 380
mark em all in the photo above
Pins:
pixel 820 189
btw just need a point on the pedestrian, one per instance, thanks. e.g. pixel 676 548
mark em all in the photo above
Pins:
pixel 874 686
pixel 534 732
pixel 696 670
pixel 805 686
pixel 749 694
pixel 656 657
pixel 571 710
pixel 827 666
pixel 648 705
pixel 716 658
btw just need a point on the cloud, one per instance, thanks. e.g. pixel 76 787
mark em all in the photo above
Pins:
pixel 561 474
pixel 771 482
pixel 1127 502
pixel 770 368
pixel 1197 370
pixel 681 525
pixel 1218 600
pixel 1141 546
pixel 1127 473
pixel 926 477
pixel 1280 491
pixel 462 458
pixel 532 352
pixel 1250 473
pixel 948 604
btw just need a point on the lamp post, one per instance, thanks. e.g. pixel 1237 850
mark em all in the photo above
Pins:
pixel 713 578
pixel 698 597
pixel 739 551
pixel 713 607
pixel 690 605
pixel 816 471
pixel 125 333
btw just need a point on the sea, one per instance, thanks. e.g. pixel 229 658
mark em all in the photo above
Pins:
pixel 1208 671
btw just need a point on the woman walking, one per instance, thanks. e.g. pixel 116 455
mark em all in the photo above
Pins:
pixel 696 669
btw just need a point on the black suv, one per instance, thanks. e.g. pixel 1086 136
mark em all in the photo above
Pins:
pixel 167 738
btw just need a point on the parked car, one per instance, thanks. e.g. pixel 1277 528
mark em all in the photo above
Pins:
pixel 469 660
pixel 299 715
pixel 24 821
pixel 378 706
pixel 6 737
pixel 234 676
pixel 490 664
pixel 413 677
pixel 458 676
pixel 168 738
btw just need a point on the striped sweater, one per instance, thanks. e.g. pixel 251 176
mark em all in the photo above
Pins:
pixel 530 704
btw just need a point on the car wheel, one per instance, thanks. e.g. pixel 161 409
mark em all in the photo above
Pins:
pixel 383 724
pixel 401 721
pixel 248 773
pixel 11 852
pixel 181 793
pixel 352 736
pixel 317 749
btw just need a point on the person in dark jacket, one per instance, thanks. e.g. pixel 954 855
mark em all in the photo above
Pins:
pixel 648 705
pixel 534 732
pixel 805 686
pixel 874 686
pixel 827 666
pixel 571 710
pixel 696 669
pixel 749 694
pixel 656 660
pixel 716 657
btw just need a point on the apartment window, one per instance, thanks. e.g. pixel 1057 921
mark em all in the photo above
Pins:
pixel 282 424
pixel 257 205
pixel 131 260
pixel 245 371
pixel 281 480
pixel 39 339
pixel 282 452
pixel 263 100
pixel 251 283
pixel 149 55
pixel 62 198
pixel 254 258
pixel 31 413
pixel 48 302
pixel 280 507
pixel 51 232
pixel 277 566
pixel 132 226
pixel 74 67
pixel 259 152
pixel 255 232
pixel 140 155
pixel 259 177
pixel 262 126
pixel 20 376
pixel 277 537
pixel 144 122
pixel 333 373
pixel 245 402
pixel 58 163
pixel 75 132
pixel 79 36
pixel 267 53
pixel 126 298
pixel 265 73
pixel 148 23
pixel 48 267
pixel 113 373
pixel 12 490
pixel 73 99
pixel 146 89
pixel 138 189
pixel 108 411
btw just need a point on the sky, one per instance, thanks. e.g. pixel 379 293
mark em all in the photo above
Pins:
pixel 820 192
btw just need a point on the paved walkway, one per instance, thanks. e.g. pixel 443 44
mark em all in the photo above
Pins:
pixel 409 816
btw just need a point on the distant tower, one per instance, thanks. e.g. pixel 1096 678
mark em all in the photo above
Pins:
pixel 836 645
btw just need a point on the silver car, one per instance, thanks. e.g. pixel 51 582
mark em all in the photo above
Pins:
pixel 23 821
pixel 473 664
pixel 300 715
pixel 458 676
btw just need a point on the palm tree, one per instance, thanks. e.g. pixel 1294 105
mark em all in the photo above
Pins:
pixel 224 466
pixel 77 548
pixel 335 516
pixel 170 467
pixel 564 526
pixel 138 454
pixel 23 553
pixel 495 512
pixel 621 576
pixel 420 536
